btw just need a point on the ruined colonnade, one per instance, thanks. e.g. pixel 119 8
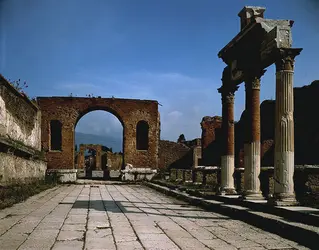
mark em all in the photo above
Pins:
pixel 250 69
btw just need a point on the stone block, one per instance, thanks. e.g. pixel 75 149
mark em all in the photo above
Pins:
pixel 173 174
pixel 115 173
pixel 180 174
pixel 211 179
pixel 97 174
pixel 64 175
pixel 138 174
pixel 15 169
pixel 199 177
pixel 188 176
pixel 81 173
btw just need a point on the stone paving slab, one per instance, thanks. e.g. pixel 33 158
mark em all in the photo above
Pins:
pixel 124 217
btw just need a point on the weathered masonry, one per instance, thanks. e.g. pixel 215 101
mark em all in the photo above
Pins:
pixel 260 43
pixel 20 137
pixel 139 118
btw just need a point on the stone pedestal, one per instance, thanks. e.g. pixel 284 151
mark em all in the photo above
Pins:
pixel 81 173
pixel 252 140
pixel 227 171
pixel 97 174
pixel 137 174
pixel 63 175
pixel 284 128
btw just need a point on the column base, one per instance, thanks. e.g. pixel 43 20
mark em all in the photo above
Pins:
pixel 283 200
pixel 227 191
pixel 249 195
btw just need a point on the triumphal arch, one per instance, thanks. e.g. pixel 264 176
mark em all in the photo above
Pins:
pixel 140 120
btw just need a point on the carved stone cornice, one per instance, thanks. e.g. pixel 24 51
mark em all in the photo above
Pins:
pixel 285 58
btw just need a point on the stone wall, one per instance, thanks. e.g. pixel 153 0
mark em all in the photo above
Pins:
pixel 20 119
pixel 174 155
pixel 114 161
pixel 21 159
pixel 15 169
pixel 68 110
pixel 211 140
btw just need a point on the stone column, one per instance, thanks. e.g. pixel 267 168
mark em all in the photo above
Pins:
pixel 228 128
pixel 252 140
pixel 284 128
pixel 98 159
pixel 81 158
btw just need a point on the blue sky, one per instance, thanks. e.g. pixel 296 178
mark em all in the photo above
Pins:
pixel 164 50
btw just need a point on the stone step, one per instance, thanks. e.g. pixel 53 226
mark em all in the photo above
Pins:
pixel 301 232
pixel 301 214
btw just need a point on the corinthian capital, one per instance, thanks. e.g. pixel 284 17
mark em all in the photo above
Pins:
pixel 230 98
pixel 252 78
pixel 285 58
pixel 228 93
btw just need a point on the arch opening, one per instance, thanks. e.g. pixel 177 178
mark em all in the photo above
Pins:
pixel 99 144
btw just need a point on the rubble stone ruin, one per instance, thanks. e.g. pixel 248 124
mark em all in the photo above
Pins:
pixel 260 43
pixel 139 118
pixel 105 164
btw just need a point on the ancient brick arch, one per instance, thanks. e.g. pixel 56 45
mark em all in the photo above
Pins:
pixel 69 110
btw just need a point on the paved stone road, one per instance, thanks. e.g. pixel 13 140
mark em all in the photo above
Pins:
pixel 123 217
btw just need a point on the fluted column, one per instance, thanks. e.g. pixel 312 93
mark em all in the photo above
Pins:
pixel 228 156
pixel 252 140
pixel 284 128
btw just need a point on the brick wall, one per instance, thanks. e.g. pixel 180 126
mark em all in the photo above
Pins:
pixel 173 154
pixel 68 110
pixel 211 140
pixel 114 161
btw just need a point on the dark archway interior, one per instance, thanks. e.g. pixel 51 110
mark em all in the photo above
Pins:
pixel 56 135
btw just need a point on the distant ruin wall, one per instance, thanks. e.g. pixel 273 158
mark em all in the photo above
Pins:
pixel 211 140
pixel 173 154
pixel 21 159
pixel 114 161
